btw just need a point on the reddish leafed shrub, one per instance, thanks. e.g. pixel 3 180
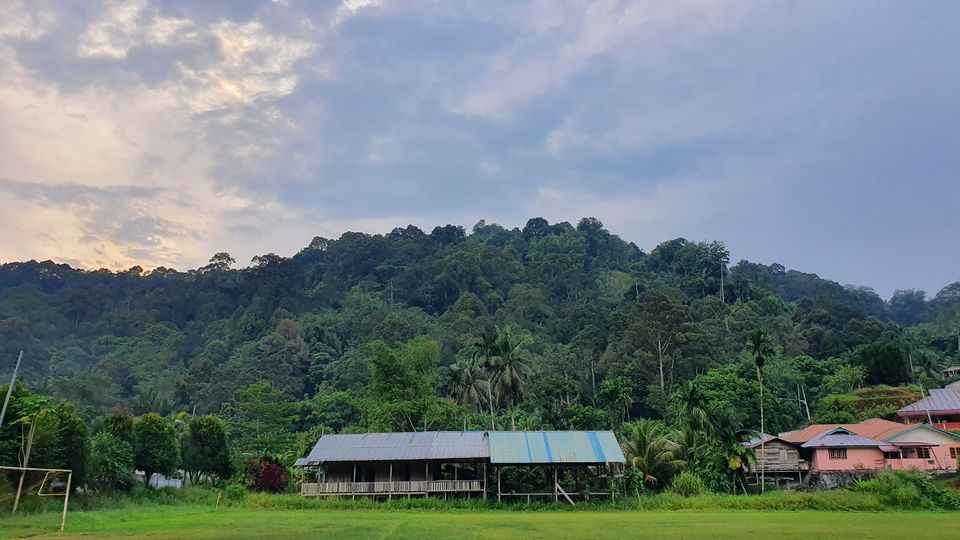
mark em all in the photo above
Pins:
pixel 270 476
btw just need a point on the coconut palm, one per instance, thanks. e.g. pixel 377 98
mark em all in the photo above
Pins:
pixel 466 380
pixel 617 394
pixel 758 346
pixel 510 365
pixel 650 452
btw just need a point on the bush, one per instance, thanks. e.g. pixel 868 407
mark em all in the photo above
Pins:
pixel 687 484
pixel 908 489
pixel 235 493
pixel 265 474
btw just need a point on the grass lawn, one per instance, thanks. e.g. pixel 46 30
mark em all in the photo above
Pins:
pixel 203 522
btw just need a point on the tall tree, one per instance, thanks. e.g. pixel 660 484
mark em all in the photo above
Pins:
pixel 758 346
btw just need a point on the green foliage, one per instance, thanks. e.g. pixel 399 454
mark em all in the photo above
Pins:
pixel 111 463
pixel 687 484
pixel 119 424
pixel 235 493
pixel 649 453
pixel 155 445
pixel 205 449
pixel 908 489
pixel 549 326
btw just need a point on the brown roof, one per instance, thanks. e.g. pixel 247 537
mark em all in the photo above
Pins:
pixel 874 428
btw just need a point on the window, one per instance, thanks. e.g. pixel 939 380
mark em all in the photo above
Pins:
pixel 923 453
pixel 954 452
pixel 837 453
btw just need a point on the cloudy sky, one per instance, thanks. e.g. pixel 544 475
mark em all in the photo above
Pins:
pixel 821 135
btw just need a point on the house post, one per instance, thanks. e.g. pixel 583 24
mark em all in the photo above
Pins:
pixel 484 480
pixel 556 485
pixel 390 483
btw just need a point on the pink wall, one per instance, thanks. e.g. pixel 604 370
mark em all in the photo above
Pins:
pixel 857 458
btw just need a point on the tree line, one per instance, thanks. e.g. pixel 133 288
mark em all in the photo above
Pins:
pixel 547 326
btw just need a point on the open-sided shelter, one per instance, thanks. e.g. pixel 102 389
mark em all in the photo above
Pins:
pixel 464 462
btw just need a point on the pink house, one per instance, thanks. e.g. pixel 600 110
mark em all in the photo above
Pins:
pixel 921 446
pixel 926 448
pixel 843 450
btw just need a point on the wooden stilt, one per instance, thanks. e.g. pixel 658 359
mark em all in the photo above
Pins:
pixel 498 484
pixel 484 481
pixel 556 485
pixel 390 483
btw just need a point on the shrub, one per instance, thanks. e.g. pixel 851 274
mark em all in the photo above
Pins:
pixel 908 489
pixel 265 474
pixel 687 484
pixel 235 493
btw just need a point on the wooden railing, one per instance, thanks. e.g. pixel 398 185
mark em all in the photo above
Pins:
pixel 386 488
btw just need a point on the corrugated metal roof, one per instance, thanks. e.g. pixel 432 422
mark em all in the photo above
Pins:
pixel 940 401
pixel 423 445
pixel 520 447
pixel 754 442
pixel 841 438
pixel 872 428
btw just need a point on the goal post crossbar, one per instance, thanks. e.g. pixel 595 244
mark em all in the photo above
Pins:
pixel 66 494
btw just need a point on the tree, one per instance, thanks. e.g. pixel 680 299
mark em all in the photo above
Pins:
pixel 120 424
pixel 111 463
pixel 510 365
pixel 73 443
pixel 649 452
pixel 758 346
pixel 205 449
pixel 653 325
pixel 467 382
pixel 885 362
pixel 617 394
pixel 155 446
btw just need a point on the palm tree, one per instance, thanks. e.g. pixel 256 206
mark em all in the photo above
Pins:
pixel 758 346
pixel 650 451
pixel 467 382
pixel 509 365
pixel 617 394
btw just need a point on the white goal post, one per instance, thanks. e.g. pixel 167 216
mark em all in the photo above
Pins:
pixel 40 493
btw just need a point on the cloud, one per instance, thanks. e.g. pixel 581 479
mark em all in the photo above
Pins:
pixel 560 40
pixel 148 132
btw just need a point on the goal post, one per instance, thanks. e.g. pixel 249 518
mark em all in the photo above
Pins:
pixel 49 475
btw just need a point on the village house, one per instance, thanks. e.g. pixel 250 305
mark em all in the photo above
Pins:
pixel 464 463
pixel 871 445
pixel 777 458
pixel 941 408
pixel 925 447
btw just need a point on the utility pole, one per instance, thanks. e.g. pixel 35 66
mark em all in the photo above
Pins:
pixel 721 280
pixel 13 381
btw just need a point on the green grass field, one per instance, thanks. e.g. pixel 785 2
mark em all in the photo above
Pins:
pixel 202 522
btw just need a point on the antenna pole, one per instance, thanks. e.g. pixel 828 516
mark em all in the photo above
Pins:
pixel 13 381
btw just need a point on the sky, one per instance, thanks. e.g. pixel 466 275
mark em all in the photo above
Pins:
pixel 820 135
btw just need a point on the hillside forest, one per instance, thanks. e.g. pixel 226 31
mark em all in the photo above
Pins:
pixel 553 326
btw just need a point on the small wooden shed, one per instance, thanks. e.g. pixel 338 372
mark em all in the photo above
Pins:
pixel 776 456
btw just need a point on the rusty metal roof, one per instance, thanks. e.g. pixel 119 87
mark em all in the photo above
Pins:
pixel 417 446
pixel 536 447
pixel 943 401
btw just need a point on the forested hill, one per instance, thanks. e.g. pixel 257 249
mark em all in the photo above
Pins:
pixel 348 325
